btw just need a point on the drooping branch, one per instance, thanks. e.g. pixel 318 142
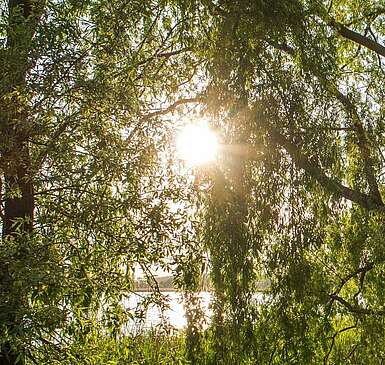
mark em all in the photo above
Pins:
pixel 165 55
pixel 312 168
pixel 63 127
pixel 363 144
pixel 53 141
pixel 361 271
pixel 357 127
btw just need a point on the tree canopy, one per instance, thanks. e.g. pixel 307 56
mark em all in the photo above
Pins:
pixel 91 94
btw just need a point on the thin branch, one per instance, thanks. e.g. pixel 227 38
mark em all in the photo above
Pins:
pixel 168 35
pixel 165 55
pixel 351 351
pixel 53 140
pixel 378 56
pixel 362 279
pixel 73 62
pixel 363 143
pixel 361 270
pixel 326 358
pixel 172 107
pixel 216 10
pixel 330 6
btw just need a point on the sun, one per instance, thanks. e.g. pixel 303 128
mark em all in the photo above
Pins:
pixel 197 144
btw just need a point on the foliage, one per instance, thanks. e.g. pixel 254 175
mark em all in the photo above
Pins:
pixel 293 88
pixel 151 348
pixel 294 84
pixel 85 159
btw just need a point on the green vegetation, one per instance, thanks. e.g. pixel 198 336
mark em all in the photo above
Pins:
pixel 92 94
pixel 146 349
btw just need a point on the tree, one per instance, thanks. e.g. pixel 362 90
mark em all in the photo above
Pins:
pixel 299 84
pixel 295 90
pixel 83 87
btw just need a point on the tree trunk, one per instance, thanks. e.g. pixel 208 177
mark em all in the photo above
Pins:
pixel 15 163
pixel 17 225
pixel 18 209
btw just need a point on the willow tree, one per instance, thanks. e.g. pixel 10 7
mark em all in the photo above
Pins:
pixel 298 87
pixel 295 90
pixel 83 85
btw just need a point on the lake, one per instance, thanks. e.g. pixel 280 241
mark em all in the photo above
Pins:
pixel 175 314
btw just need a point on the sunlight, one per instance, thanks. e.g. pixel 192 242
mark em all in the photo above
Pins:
pixel 197 144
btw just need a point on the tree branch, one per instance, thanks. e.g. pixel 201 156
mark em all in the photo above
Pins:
pixel 166 55
pixel 363 142
pixel 173 106
pixel 53 140
pixel 356 309
pixel 315 171
pixel 362 270
pixel 326 358
pixel 358 38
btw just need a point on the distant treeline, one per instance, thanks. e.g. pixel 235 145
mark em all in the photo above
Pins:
pixel 166 283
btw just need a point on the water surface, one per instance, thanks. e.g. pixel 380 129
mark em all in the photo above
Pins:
pixel 174 315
